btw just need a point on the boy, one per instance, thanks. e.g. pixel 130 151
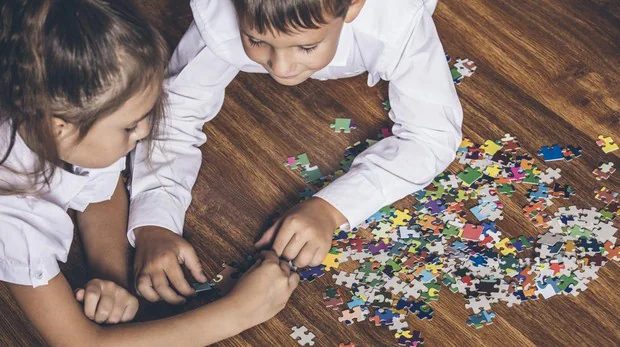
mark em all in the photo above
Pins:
pixel 294 40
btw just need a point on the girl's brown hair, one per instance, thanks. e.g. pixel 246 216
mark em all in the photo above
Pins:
pixel 78 60
pixel 285 16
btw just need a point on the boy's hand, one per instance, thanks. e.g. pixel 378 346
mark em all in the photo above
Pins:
pixel 264 289
pixel 159 255
pixel 304 233
pixel 107 302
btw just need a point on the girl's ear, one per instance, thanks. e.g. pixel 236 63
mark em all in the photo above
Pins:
pixel 61 128
pixel 354 10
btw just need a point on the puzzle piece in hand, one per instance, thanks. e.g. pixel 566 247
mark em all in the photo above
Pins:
pixel 342 124
pixel 303 336
pixel 226 279
pixel 604 171
pixel 606 143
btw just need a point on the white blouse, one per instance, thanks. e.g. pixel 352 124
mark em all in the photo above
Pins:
pixel 35 230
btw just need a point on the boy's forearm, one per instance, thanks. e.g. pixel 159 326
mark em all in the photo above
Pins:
pixel 102 227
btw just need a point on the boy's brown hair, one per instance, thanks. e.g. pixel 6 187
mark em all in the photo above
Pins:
pixel 286 16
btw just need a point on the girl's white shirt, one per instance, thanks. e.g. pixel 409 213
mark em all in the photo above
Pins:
pixel 35 229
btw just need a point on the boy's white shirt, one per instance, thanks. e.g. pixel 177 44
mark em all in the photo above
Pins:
pixel 394 41
pixel 35 230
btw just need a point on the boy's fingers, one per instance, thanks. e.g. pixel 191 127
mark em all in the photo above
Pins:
pixel 319 255
pixel 282 239
pixel 176 277
pixel 162 287
pixel 91 298
pixel 145 289
pixel 306 255
pixel 190 259
pixel 268 236
pixel 104 308
pixel 269 256
pixel 294 246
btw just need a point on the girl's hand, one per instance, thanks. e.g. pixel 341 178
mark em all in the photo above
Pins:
pixel 107 302
pixel 263 290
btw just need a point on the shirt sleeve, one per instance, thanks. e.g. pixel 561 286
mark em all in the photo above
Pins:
pixel 161 186
pixel 427 120
pixel 34 236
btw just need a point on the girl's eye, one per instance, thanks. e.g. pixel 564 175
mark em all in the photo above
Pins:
pixel 308 49
pixel 254 43
pixel 132 129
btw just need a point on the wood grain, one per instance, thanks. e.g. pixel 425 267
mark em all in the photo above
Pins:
pixel 547 73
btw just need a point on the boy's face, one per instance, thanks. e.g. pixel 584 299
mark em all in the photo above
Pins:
pixel 292 58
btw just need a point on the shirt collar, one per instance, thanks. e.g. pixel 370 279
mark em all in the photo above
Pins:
pixel 345 44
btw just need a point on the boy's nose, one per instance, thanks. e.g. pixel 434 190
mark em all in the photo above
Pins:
pixel 282 65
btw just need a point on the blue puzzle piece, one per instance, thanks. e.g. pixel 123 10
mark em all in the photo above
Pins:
pixel 551 153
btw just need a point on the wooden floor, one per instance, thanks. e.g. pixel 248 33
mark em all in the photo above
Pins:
pixel 548 72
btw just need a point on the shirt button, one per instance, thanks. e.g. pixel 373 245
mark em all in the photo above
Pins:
pixel 38 275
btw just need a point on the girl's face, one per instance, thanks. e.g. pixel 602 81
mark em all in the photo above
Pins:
pixel 110 138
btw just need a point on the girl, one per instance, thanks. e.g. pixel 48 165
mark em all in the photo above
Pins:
pixel 80 85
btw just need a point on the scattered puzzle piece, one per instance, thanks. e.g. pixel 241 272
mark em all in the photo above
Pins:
pixel 606 143
pixel 303 336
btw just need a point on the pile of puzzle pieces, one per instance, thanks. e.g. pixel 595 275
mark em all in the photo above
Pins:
pixel 402 257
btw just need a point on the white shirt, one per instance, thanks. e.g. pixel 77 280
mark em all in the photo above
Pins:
pixel 393 40
pixel 35 230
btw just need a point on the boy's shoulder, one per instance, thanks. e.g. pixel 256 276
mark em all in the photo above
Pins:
pixel 387 20
pixel 216 20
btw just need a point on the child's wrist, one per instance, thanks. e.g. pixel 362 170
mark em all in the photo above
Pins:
pixel 241 319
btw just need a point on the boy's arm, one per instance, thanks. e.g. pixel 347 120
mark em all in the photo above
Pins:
pixel 427 131
pixel 161 186
pixel 102 227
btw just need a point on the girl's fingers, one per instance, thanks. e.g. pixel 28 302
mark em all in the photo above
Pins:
pixel 130 311
pixel 91 299
pixel 104 308
pixel 144 288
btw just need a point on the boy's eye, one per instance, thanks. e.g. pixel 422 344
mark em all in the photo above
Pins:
pixel 132 129
pixel 255 43
pixel 308 49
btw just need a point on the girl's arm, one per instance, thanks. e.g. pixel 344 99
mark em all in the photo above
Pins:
pixel 259 295
pixel 103 228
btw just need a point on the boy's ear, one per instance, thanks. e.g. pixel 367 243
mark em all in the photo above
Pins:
pixel 354 10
